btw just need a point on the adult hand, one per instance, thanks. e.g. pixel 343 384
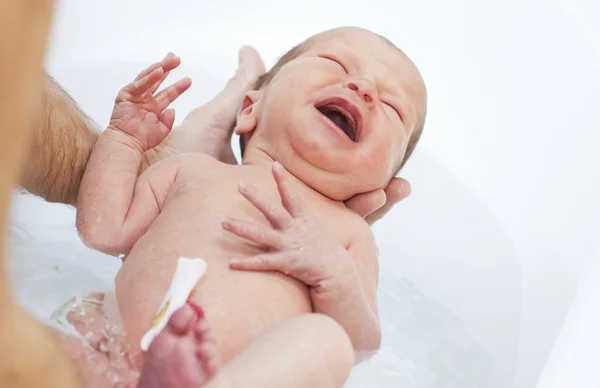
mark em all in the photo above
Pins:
pixel 375 204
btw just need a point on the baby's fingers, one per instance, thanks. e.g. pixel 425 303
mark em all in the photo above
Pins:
pixel 266 262
pixel 287 263
pixel 168 63
pixel 255 233
pixel 157 84
pixel 141 86
pixel 170 94
pixel 293 203
pixel 277 216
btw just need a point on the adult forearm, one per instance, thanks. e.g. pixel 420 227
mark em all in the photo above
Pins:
pixel 62 141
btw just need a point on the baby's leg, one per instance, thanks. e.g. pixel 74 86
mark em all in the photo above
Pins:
pixel 309 351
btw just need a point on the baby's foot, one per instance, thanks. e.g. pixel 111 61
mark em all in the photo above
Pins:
pixel 183 354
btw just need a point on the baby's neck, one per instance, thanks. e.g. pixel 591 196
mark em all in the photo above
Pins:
pixel 257 157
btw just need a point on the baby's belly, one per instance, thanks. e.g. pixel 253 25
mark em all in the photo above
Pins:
pixel 238 305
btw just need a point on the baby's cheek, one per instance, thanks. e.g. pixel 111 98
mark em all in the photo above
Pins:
pixel 379 165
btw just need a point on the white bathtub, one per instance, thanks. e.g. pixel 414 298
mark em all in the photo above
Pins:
pixel 481 264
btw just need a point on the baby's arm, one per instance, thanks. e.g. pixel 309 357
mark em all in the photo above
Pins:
pixel 350 296
pixel 115 206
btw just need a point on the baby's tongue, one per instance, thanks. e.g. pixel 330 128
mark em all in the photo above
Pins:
pixel 341 121
pixel 338 119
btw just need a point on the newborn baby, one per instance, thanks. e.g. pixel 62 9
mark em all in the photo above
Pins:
pixel 337 116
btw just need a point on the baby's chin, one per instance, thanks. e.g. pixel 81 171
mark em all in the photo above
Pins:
pixel 336 186
pixel 338 191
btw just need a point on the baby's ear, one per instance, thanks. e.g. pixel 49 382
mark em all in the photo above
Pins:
pixel 246 118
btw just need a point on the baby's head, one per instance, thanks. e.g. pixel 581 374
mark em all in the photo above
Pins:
pixel 342 111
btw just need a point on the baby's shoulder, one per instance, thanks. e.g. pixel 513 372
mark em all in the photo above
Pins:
pixel 209 172
pixel 194 158
pixel 196 164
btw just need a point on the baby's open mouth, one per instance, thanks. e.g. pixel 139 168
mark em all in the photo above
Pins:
pixel 342 118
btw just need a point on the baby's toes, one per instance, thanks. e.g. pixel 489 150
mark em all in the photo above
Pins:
pixel 181 321
pixel 206 350
pixel 207 355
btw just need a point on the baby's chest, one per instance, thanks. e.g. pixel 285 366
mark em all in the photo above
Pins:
pixel 213 200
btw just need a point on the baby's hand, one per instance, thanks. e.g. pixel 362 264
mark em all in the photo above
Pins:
pixel 139 113
pixel 300 246
pixel 303 249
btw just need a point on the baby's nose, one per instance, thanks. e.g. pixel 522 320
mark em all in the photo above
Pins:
pixel 364 88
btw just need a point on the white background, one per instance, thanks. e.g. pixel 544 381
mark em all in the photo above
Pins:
pixel 504 215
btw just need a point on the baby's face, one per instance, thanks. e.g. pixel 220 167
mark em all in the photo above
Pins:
pixel 339 117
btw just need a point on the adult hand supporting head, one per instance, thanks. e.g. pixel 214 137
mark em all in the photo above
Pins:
pixel 375 204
